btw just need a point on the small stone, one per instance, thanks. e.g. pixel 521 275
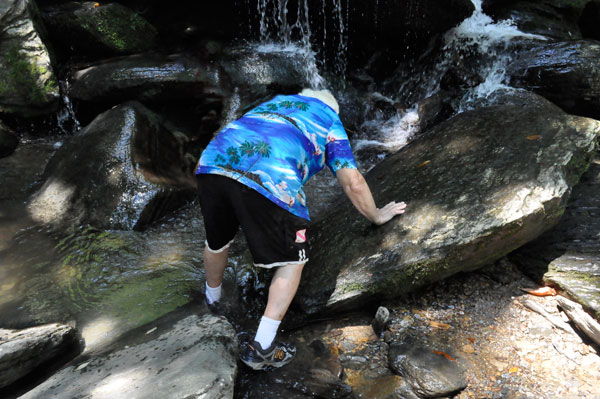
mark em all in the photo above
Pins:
pixel 382 318
pixel 468 349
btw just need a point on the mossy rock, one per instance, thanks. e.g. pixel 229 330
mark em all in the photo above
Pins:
pixel 28 85
pixel 110 29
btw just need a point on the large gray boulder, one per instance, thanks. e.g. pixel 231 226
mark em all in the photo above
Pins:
pixel 194 357
pixel 566 73
pixel 477 186
pixel 101 29
pixel 28 85
pixel 21 351
pixel 123 171
pixel 568 256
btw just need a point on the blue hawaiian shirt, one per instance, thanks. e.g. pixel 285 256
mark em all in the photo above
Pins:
pixel 278 146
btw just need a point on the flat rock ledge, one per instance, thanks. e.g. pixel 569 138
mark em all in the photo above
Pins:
pixel 478 186
pixel 195 358
pixel 22 351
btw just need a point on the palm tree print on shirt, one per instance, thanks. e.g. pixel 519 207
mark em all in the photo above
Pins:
pixel 272 107
pixel 246 149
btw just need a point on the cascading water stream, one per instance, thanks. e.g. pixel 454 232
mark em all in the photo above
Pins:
pixel 479 37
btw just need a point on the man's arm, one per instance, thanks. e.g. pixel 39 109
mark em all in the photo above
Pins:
pixel 357 189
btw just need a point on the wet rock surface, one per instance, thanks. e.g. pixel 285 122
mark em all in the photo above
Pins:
pixel 479 320
pixel 565 73
pixel 430 373
pixel 194 356
pixel 22 351
pixel 509 191
pixel 122 171
pixel 28 85
pixel 568 256
pixel 539 18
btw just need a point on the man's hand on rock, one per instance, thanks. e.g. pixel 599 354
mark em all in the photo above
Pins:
pixel 386 213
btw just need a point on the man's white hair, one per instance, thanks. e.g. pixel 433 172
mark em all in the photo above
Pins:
pixel 323 95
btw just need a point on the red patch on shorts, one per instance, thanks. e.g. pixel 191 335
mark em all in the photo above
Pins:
pixel 301 236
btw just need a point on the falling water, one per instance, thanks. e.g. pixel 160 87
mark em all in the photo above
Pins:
pixel 493 42
pixel 280 27
pixel 66 120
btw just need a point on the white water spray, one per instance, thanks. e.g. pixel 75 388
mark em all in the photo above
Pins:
pixel 492 40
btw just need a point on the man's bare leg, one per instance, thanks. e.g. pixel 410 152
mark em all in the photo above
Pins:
pixel 214 267
pixel 282 290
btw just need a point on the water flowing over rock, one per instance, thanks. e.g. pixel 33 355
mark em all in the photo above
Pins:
pixel 28 86
pixel 538 18
pixel 21 351
pixel 123 171
pixel 101 29
pixel 568 256
pixel 8 141
pixel 566 73
pixel 194 357
pixel 477 186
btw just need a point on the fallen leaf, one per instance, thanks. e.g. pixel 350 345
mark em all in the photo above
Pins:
pixel 437 324
pixel 534 137
pixel 96 5
pixel 513 370
pixel 423 164
pixel 447 356
pixel 542 291
pixel 471 340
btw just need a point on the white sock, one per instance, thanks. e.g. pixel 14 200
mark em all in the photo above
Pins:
pixel 267 329
pixel 213 294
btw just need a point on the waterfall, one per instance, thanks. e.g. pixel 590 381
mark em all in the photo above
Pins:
pixel 283 28
pixel 65 118
pixel 492 41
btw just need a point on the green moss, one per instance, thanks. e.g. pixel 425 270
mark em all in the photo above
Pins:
pixel 23 78
pixel 118 27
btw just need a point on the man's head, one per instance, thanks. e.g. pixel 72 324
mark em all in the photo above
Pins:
pixel 323 95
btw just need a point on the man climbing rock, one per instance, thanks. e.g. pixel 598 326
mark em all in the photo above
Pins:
pixel 251 175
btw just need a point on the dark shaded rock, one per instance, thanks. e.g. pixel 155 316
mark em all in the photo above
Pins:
pixel 571 8
pixel 429 374
pixel 539 19
pixel 590 21
pixel 478 186
pixel 101 29
pixel 314 372
pixel 402 29
pixel 8 141
pixel 566 73
pixel 123 171
pixel 28 86
pixel 568 256
pixel 22 171
pixel 260 73
pixel 434 109
pixel 22 351
pixel 188 358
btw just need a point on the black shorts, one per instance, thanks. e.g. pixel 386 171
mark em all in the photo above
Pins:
pixel 275 236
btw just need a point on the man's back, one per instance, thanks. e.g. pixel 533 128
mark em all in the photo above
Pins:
pixel 276 147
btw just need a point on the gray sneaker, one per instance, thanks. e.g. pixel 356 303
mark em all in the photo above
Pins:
pixel 257 358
